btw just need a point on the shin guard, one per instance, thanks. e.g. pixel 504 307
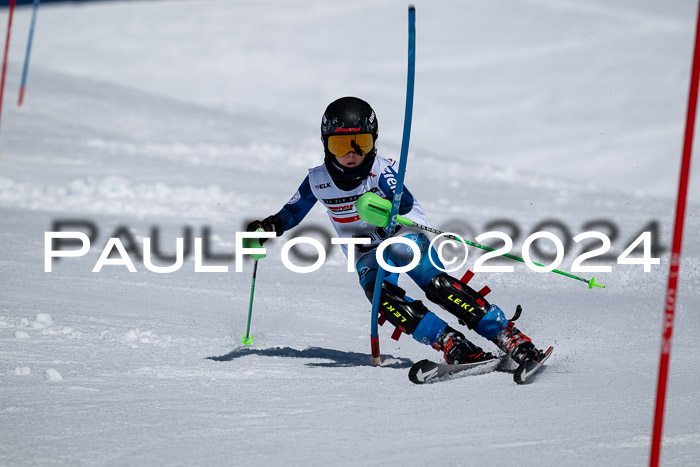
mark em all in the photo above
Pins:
pixel 400 311
pixel 458 298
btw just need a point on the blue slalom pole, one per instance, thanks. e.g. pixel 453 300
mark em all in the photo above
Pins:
pixel 408 115
pixel 25 70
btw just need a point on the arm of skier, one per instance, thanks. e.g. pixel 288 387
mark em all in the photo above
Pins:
pixel 387 183
pixel 291 213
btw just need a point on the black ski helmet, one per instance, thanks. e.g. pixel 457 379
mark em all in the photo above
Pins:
pixel 348 116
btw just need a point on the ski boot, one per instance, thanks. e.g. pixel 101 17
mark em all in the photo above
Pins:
pixel 516 344
pixel 528 359
pixel 458 349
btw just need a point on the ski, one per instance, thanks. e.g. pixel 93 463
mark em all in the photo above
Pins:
pixel 529 369
pixel 426 371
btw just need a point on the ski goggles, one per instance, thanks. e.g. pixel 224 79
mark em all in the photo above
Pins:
pixel 341 145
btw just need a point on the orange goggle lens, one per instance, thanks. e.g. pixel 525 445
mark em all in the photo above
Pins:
pixel 340 145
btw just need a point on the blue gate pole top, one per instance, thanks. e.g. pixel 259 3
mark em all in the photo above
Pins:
pixel 402 162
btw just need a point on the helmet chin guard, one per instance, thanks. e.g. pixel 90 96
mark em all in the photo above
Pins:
pixel 348 178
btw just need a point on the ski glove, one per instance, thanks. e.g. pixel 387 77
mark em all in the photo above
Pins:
pixel 269 224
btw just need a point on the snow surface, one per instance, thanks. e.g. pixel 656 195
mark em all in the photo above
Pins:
pixel 205 114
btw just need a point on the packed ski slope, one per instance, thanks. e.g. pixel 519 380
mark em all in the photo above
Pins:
pixel 188 119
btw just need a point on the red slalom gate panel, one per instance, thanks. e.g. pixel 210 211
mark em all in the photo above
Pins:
pixel 672 289
pixel 11 13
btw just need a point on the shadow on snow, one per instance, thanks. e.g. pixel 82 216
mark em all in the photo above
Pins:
pixel 338 358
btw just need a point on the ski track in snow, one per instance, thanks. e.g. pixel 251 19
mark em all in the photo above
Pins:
pixel 558 110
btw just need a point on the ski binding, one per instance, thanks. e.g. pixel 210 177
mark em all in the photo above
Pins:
pixel 529 369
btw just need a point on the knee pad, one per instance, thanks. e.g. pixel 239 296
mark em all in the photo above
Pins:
pixel 458 298
pixel 400 311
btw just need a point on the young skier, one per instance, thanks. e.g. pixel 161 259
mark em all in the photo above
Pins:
pixel 351 168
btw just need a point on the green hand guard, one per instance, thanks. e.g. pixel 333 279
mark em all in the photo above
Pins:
pixel 255 243
pixel 376 210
